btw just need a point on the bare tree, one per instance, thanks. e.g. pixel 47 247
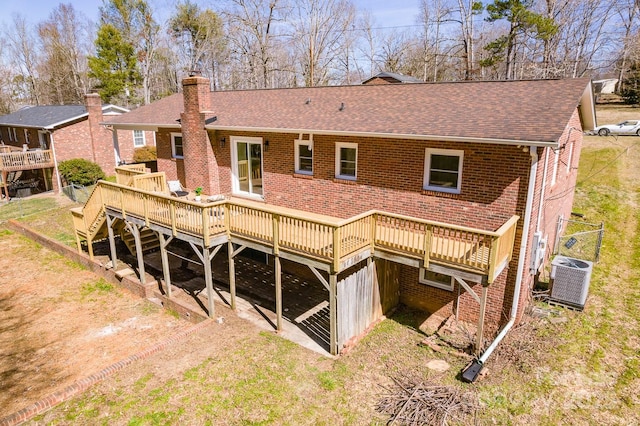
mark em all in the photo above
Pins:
pixel 199 35
pixel 65 38
pixel 321 28
pixel 254 40
pixel 25 56
pixel 628 11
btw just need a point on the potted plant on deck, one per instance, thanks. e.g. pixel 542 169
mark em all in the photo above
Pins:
pixel 198 192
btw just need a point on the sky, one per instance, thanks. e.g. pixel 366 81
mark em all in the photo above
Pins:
pixel 387 13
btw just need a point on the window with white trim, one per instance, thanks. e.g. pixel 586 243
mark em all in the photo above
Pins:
pixel 138 138
pixel 176 145
pixel 443 170
pixel 303 156
pixel 27 138
pixel 13 137
pixel 436 279
pixel 346 160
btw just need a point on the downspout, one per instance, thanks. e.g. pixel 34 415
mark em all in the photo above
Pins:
pixel 471 372
pixel 55 162
pixel 544 185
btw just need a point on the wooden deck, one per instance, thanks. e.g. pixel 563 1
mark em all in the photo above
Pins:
pixel 333 242
pixel 12 160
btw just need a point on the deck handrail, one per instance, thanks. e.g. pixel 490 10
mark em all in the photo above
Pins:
pixel 21 160
pixel 327 240
pixel 125 173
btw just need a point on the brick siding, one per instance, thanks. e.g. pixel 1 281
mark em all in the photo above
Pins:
pixel 390 175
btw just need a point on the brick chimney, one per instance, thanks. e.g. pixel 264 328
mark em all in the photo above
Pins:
pixel 94 107
pixel 200 163
pixel 101 140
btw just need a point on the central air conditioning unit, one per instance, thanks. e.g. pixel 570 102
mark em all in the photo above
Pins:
pixel 570 279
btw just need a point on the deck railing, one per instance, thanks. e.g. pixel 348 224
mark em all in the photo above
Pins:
pixel 327 240
pixel 25 160
pixel 125 173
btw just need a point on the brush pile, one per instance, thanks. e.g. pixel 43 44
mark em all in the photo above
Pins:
pixel 412 402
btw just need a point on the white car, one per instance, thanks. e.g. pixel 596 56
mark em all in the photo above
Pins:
pixel 628 127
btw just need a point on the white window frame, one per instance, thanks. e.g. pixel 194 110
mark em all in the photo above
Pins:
pixel 13 136
pixel 427 168
pixel 173 145
pixel 235 182
pixel 144 139
pixel 424 280
pixel 296 146
pixel 339 146
pixel 27 138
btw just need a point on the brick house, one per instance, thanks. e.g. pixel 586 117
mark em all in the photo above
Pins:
pixel 467 155
pixel 68 132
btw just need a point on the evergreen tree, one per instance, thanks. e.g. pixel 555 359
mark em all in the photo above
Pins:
pixel 114 66
pixel 522 21
pixel 631 86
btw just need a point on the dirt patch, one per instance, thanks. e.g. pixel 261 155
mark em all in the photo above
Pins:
pixel 60 323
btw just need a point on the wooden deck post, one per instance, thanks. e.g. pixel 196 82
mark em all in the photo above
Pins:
pixel 278 274
pixel 333 314
pixel 206 260
pixel 5 186
pixel 166 270
pixel 112 242
pixel 136 235
pixel 483 308
pixel 232 275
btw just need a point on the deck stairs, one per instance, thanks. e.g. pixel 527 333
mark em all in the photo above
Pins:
pixel 90 223
pixel 148 239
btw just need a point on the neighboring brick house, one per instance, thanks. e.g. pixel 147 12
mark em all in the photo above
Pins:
pixel 72 131
pixel 467 154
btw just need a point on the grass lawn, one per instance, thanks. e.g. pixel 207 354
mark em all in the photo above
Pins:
pixel 584 369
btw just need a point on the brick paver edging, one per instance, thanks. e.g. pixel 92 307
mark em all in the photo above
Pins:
pixel 83 384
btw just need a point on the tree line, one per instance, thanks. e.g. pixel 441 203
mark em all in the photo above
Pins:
pixel 131 58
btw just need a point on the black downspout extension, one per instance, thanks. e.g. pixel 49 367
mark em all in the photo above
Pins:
pixel 472 371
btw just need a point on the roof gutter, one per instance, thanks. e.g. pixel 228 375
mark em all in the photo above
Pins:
pixel 472 371
pixel 441 138
pixel 138 126
pixel 493 141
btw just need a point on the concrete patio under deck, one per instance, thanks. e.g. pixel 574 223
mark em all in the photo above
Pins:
pixel 305 300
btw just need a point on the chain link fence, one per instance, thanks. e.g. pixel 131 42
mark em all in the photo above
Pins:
pixel 581 240
pixel 77 193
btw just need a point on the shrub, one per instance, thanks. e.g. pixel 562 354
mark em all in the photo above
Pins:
pixel 80 171
pixel 145 153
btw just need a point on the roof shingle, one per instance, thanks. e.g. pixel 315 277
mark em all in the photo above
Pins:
pixel 533 110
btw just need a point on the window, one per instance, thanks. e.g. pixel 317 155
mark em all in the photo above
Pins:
pixel 12 134
pixel 435 279
pixel 176 145
pixel 304 157
pixel 443 170
pixel 138 138
pixel 27 139
pixel 346 160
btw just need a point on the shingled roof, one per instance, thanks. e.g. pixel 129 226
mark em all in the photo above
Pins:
pixel 50 116
pixel 535 111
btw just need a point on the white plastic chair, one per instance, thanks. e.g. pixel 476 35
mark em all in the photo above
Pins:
pixel 176 189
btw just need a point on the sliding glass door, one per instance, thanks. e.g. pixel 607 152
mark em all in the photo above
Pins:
pixel 247 166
